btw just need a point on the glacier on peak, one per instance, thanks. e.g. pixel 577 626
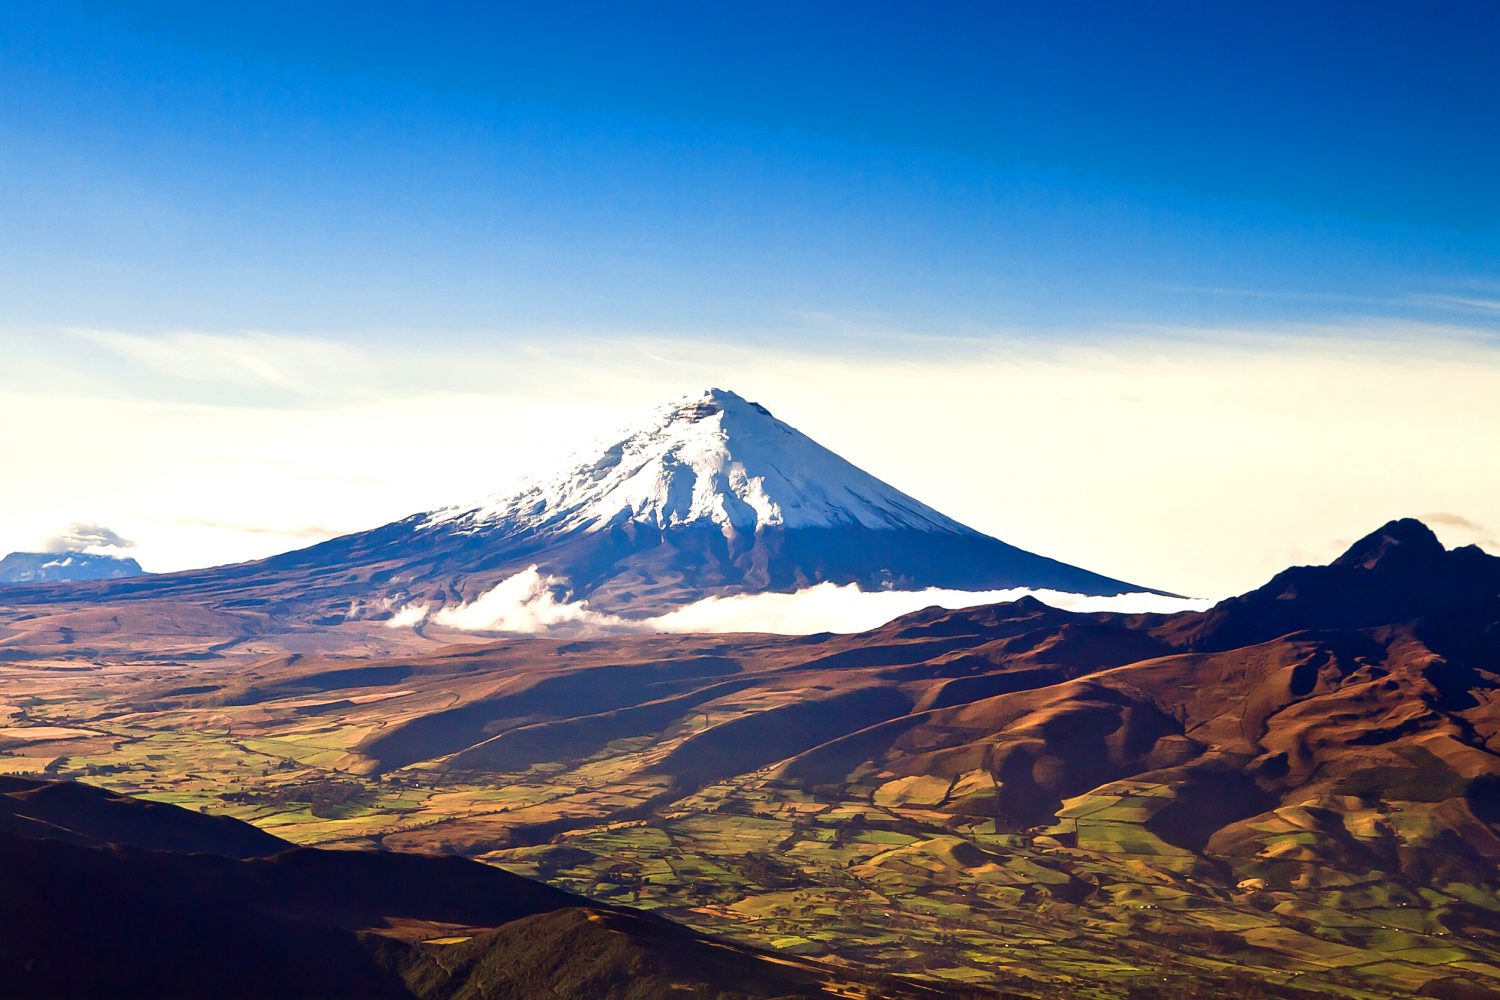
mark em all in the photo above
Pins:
pixel 710 457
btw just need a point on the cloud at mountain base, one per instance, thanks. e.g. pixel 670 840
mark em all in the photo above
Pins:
pixel 534 603
pixel 525 602
pixel 828 607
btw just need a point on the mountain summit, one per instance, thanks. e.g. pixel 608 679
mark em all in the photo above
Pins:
pixel 1399 572
pixel 712 496
pixel 716 458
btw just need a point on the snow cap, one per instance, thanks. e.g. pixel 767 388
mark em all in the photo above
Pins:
pixel 707 457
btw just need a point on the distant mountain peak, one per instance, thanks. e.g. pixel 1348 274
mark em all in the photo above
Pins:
pixel 65 567
pixel 1398 573
pixel 709 457
pixel 1405 540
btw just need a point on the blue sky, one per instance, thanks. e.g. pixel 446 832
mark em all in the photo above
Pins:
pixel 1179 292
pixel 798 171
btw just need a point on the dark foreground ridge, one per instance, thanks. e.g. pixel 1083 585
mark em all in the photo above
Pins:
pixel 107 896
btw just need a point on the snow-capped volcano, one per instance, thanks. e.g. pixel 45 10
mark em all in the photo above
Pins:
pixel 712 496
pixel 713 457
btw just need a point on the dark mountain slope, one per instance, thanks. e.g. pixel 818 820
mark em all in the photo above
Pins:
pixel 121 921
pixel 1397 574
pixel 82 814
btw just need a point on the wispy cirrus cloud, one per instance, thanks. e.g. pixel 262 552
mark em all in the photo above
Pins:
pixel 253 360
pixel 1475 532
pixel 281 531
pixel 1464 302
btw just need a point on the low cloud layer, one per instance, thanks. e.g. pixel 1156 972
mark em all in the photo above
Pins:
pixel 526 602
pixel 85 537
pixel 533 603
pixel 828 607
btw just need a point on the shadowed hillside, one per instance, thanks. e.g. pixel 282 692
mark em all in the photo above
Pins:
pixel 88 912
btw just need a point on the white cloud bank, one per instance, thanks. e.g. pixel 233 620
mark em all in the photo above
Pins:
pixel 526 602
pixel 829 607
pixel 529 602
pixel 94 538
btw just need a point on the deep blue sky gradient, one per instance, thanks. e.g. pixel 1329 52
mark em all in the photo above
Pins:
pixel 792 171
